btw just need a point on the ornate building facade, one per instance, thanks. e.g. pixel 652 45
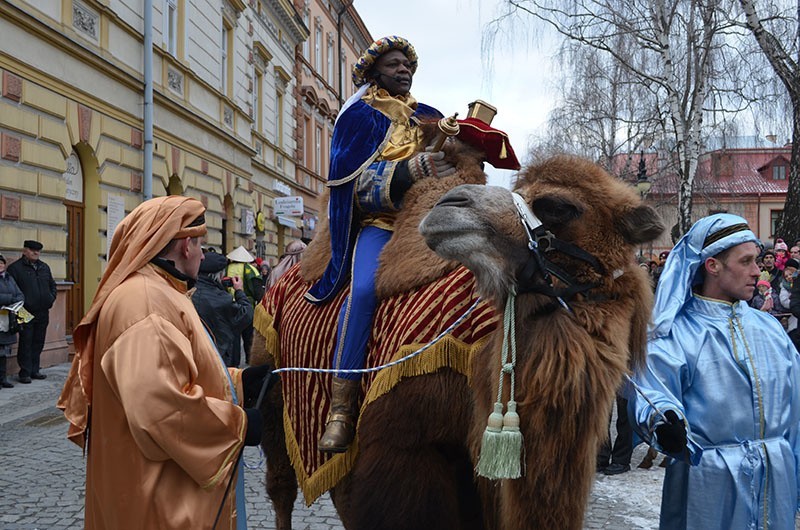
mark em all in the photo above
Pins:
pixel 72 129
pixel 337 37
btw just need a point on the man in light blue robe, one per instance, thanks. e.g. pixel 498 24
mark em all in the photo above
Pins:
pixel 722 387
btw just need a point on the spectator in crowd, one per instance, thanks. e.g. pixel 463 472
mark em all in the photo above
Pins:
pixel 36 282
pixel 265 270
pixel 765 299
pixel 241 265
pixel 161 420
pixel 781 254
pixel 9 295
pixel 617 459
pixel 224 316
pixel 785 295
pixel 771 272
pixel 662 259
pixel 794 252
pixel 293 255
pixel 722 387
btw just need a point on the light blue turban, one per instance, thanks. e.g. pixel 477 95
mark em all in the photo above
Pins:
pixel 708 237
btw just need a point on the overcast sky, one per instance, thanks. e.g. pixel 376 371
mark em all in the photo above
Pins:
pixel 453 71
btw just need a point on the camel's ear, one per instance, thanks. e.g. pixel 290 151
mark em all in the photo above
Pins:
pixel 555 211
pixel 640 225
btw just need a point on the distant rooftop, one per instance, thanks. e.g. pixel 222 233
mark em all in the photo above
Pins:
pixel 715 143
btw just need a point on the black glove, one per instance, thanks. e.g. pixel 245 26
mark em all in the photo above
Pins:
pixel 672 435
pixel 255 426
pixel 253 379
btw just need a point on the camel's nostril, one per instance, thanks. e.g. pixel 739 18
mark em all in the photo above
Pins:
pixel 454 199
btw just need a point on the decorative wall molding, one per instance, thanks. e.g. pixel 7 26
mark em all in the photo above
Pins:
pixel 175 80
pixel 86 20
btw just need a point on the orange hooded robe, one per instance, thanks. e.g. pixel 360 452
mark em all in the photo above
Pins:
pixel 163 431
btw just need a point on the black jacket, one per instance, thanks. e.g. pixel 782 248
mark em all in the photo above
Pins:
pixel 36 282
pixel 9 294
pixel 225 317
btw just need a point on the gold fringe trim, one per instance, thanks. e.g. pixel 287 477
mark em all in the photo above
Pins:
pixel 447 353
pixel 263 322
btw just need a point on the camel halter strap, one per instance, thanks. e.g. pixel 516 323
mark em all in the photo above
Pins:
pixel 501 447
pixel 540 242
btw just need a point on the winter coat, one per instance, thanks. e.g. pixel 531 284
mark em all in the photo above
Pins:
pixel 36 282
pixel 251 279
pixel 9 294
pixel 225 317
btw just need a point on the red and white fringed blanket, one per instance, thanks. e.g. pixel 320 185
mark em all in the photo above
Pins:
pixel 300 334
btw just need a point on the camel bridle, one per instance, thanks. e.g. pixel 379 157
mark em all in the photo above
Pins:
pixel 537 274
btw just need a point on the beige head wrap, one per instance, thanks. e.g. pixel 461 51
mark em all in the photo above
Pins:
pixel 294 253
pixel 138 238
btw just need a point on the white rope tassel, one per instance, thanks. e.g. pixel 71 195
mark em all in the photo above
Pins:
pixel 501 447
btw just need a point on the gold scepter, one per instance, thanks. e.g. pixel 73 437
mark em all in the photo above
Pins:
pixel 447 127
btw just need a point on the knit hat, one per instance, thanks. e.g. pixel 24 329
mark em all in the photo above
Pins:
pixel 791 262
pixel 780 245
pixel 213 263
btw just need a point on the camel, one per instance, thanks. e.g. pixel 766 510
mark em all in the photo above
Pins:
pixel 570 362
pixel 417 444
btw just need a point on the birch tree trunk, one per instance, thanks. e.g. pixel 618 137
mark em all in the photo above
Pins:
pixel 777 48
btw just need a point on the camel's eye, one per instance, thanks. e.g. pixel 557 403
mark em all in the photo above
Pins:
pixel 556 211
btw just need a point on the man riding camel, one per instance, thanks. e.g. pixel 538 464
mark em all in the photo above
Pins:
pixel 375 159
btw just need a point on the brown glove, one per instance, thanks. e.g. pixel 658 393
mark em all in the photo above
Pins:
pixel 428 164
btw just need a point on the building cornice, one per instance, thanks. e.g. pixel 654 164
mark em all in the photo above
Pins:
pixel 290 19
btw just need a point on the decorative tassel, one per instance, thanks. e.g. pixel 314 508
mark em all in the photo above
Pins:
pixel 491 444
pixel 501 446
pixel 503 152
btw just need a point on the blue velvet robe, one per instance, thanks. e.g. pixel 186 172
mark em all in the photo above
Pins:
pixel 360 135
pixel 741 400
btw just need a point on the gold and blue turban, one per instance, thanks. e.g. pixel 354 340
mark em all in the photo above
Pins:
pixel 378 48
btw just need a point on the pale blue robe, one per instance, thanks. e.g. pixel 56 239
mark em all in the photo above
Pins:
pixel 741 399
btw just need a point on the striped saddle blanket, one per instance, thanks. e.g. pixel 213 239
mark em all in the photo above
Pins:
pixel 300 334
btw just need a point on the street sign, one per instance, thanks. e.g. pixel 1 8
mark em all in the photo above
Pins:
pixel 288 206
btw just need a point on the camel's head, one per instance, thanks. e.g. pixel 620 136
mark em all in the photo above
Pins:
pixel 575 200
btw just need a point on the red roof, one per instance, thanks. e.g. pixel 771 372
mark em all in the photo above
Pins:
pixel 734 172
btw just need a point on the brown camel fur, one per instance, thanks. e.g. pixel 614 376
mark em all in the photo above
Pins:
pixel 418 444
pixel 569 365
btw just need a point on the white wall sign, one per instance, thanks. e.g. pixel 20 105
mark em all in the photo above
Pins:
pixel 116 211
pixel 248 221
pixel 280 187
pixel 74 177
pixel 288 205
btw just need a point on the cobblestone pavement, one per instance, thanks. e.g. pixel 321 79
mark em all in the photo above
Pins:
pixel 42 475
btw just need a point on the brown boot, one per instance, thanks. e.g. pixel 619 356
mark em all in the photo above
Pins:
pixel 647 461
pixel 340 427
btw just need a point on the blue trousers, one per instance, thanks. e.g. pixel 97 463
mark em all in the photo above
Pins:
pixel 355 317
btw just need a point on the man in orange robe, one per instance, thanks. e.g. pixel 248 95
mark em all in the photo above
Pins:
pixel 148 396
